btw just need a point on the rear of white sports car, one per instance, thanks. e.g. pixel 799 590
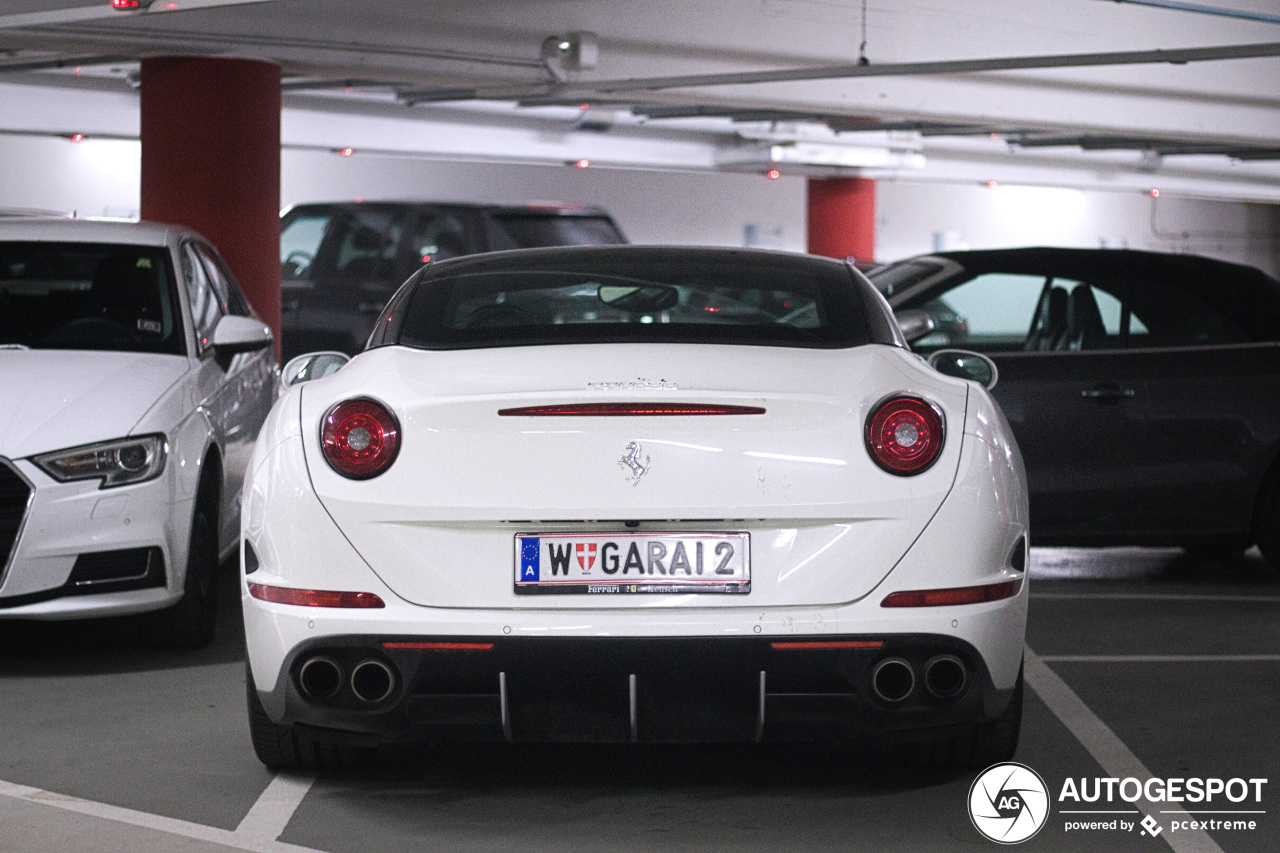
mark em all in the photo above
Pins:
pixel 635 495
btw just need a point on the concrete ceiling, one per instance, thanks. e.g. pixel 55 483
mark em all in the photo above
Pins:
pixel 1058 92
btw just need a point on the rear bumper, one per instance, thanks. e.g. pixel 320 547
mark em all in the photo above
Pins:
pixel 632 689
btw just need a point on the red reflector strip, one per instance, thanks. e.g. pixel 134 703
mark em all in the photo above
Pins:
pixel 314 597
pixel 439 647
pixel 834 644
pixel 957 595
pixel 606 410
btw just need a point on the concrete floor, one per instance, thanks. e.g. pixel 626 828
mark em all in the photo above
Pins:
pixel 1141 662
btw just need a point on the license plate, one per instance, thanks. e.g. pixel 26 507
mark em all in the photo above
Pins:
pixel 627 563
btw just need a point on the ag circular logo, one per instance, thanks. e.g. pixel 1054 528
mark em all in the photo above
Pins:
pixel 1008 803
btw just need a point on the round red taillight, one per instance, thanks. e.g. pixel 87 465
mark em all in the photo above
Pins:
pixel 360 438
pixel 904 435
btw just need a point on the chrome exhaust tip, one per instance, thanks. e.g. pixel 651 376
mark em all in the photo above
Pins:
pixel 893 679
pixel 945 676
pixel 320 678
pixel 372 681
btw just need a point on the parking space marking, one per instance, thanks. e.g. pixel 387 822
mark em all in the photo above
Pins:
pixel 1106 748
pixel 1152 596
pixel 1159 658
pixel 275 807
pixel 158 823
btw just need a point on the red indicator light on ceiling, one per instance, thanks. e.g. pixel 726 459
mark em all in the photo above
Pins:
pixel 76 137
pixel 992 185
pixel 315 597
pixel 1154 193
pixel 584 106
pixel 773 174
pixel 346 152
pixel 629 409
pixel 956 595
pixel 437 646
pixel 582 164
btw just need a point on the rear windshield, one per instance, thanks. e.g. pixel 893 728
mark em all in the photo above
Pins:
pixel 532 230
pixel 775 303
pixel 97 296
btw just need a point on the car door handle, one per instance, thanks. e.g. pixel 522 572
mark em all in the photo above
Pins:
pixel 1107 393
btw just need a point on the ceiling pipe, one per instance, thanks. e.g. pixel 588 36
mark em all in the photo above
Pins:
pixel 587 90
pixel 959 66
pixel 1205 10
pixel 88 61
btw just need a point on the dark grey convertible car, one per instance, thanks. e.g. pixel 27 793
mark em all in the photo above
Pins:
pixel 1143 388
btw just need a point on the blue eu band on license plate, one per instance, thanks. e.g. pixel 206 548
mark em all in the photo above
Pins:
pixel 630 563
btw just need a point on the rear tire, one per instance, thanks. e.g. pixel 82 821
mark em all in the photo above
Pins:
pixel 191 622
pixel 1266 523
pixel 285 748
pixel 985 744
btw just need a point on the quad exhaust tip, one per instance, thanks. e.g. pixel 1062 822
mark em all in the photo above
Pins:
pixel 893 679
pixel 320 678
pixel 945 676
pixel 372 681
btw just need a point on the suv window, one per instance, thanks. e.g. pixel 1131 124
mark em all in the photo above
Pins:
pixel 350 243
pixel 530 230
pixel 299 245
pixel 438 238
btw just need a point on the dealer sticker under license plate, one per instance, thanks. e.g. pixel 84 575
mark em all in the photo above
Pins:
pixel 621 563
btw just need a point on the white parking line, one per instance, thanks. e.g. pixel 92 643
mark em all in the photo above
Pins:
pixel 1152 596
pixel 1106 748
pixel 157 823
pixel 275 807
pixel 1160 658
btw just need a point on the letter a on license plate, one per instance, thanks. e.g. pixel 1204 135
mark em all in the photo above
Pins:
pixel 622 563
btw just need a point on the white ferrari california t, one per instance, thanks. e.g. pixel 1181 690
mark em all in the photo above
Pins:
pixel 134 378
pixel 635 494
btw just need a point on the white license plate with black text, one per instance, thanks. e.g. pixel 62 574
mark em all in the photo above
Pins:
pixel 623 563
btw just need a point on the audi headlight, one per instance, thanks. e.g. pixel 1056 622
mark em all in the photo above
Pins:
pixel 116 463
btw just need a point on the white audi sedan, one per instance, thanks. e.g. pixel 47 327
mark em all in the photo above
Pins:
pixel 134 378
pixel 635 494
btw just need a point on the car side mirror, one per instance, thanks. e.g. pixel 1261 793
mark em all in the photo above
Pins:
pixel 234 335
pixel 915 323
pixel 312 365
pixel 963 364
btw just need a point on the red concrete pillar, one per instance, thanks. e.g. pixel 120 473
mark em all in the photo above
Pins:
pixel 211 161
pixel 842 218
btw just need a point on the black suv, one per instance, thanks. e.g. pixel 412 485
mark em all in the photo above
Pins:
pixel 341 262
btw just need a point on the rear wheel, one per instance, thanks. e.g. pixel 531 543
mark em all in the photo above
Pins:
pixel 190 623
pixel 285 748
pixel 985 744
pixel 1266 524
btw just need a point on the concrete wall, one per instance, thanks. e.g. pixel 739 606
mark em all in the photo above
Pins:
pixel 915 218
pixel 100 177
